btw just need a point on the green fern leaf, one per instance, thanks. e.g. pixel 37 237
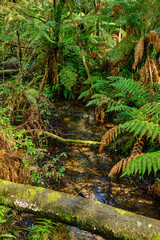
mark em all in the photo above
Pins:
pixel 139 130
pixel 84 94
pixel 155 131
pixel 149 165
pixel 138 93
pixel 154 165
pixel 144 163
pixel 121 49
pixel 144 167
pixel 135 167
pixel 68 77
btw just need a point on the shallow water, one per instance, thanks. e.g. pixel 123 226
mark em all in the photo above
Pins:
pixel 87 171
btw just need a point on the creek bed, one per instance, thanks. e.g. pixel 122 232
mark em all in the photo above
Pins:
pixel 86 173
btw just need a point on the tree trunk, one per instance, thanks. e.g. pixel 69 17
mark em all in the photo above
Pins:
pixel 106 221
pixel 79 43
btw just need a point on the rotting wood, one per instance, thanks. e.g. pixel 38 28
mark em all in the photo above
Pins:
pixel 106 221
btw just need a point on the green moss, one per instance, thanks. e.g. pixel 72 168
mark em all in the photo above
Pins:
pixel 5 182
pixel 67 217
pixel 6 189
pixel 122 212
pixel 121 235
pixel 53 197
pixel 154 237
pixel 29 193
pixel 41 190
pixel 4 200
pixel 107 228
pixel 96 201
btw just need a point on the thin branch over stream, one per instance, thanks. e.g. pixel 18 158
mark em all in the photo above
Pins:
pixel 76 141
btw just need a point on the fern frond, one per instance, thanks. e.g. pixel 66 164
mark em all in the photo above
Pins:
pixel 154 190
pixel 137 92
pixel 138 53
pixel 119 105
pixel 153 37
pixel 121 117
pixel 85 94
pixel 138 147
pixel 121 49
pixel 68 77
pixel 141 128
pixel 144 163
pixel 120 166
pixel 109 136
pixel 136 152
pixel 93 102
pixel 151 109
pixel 98 99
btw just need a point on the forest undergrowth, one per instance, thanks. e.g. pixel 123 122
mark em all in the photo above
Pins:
pixel 106 54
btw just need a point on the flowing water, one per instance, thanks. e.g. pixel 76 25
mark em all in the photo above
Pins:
pixel 87 171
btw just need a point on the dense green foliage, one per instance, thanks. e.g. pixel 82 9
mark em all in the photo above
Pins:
pixel 57 46
pixel 106 53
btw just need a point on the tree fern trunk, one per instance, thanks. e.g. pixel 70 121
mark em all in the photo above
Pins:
pixel 52 67
pixel 79 43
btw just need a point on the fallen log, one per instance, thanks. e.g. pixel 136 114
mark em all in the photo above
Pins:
pixel 106 221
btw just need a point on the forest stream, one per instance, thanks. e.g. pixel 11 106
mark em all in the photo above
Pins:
pixel 86 173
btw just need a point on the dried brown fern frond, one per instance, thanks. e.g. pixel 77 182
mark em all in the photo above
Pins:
pixel 149 72
pixel 138 53
pixel 115 38
pixel 93 55
pixel 136 152
pixel 154 190
pixel 122 164
pixel 11 167
pixel 109 136
pixel 99 113
pixel 138 147
pixel 48 15
pixel 118 10
pixel 145 73
pixel 155 71
pixel 154 38
pixel 97 6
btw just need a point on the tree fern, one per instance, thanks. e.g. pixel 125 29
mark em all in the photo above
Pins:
pixel 98 99
pixel 151 110
pixel 142 127
pixel 136 152
pixel 144 163
pixel 121 49
pixel 138 92
pixel 120 106
pixel 137 111
pixel 110 136
pixel 68 77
